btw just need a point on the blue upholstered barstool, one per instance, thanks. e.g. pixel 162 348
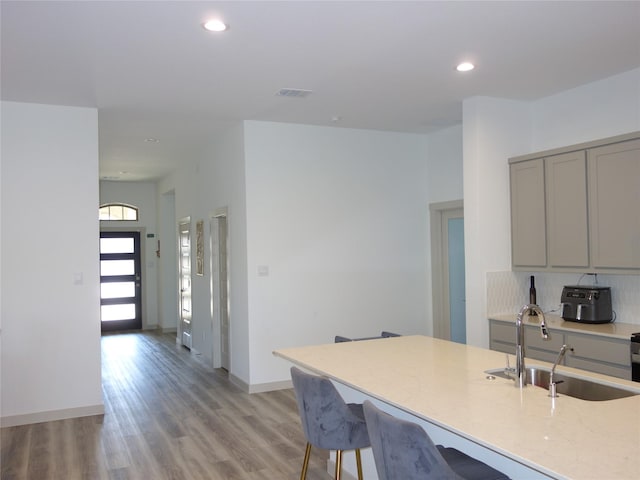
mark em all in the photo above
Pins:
pixel 328 422
pixel 403 451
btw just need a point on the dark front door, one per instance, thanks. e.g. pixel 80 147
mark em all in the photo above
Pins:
pixel 120 292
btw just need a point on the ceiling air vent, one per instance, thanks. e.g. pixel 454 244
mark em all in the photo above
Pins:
pixel 293 92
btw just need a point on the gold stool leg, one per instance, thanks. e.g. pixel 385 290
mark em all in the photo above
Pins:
pixel 338 464
pixel 305 464
pixel 359 463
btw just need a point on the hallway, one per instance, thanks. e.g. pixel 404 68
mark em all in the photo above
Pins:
pixel 167 416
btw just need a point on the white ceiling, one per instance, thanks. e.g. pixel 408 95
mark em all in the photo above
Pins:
pixel 153 71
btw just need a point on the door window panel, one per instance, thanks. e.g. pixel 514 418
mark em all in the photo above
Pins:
pixel 118 290
pixel 126 311
pixel 116 245
pixel 110 268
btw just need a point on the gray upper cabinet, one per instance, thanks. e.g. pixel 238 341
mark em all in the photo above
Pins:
pixel 527 214
pixel 614 205
pixel 577 209
pixel 566 209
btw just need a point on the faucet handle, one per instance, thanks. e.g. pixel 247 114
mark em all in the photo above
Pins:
pixel 508 369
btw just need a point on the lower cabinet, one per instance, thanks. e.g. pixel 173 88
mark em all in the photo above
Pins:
pixel 594 353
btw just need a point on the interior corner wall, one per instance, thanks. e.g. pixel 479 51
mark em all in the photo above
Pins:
pixel 496 129
pixel 50 365
pixel 141 195
pixel 336 237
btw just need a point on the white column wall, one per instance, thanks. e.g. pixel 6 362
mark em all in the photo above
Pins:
pixel 50 365
pixel 339 219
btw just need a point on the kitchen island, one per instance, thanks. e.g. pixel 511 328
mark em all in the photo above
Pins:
pixel 443 386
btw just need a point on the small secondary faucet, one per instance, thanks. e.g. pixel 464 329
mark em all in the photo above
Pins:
pixel 521 373
pixel 552 385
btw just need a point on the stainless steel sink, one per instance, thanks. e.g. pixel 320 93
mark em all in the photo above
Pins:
pixel 568 385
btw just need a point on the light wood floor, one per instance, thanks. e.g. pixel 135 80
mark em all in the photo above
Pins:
pixel 167 416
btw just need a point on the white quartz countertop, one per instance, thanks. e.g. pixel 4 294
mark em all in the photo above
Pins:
pixel 614 330
pixel 444 383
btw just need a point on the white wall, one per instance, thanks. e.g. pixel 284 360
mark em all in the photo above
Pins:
pixel 50 279
pixel 444 156
pixel 168 262
pixel 496 129
pixel 143 196
pixel 214 179
pixel 339 218
pixel 444 183
pixel 596 110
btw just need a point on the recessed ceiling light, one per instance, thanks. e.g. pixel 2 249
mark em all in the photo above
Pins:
pixel 151 140
pixel 215 25
pixel 465 67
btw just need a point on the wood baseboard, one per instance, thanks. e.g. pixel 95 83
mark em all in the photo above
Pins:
pixel 51 415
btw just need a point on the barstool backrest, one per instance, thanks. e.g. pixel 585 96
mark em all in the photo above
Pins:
pixel 402 449
pixel 328 422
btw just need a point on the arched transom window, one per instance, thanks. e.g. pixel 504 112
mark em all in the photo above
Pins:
pixel 118 212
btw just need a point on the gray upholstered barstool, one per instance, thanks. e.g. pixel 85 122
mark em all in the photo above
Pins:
pixel 328 422
pixel 403 451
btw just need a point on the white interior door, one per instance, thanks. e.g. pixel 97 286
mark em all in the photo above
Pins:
pixel 448 271
pixel 456 276
pixel 220 290
pixel 184 281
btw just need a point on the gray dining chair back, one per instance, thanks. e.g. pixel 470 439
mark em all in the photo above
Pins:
pixel 327 420
pixel 403 450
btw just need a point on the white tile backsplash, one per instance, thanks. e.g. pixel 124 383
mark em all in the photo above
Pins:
pixel 508 291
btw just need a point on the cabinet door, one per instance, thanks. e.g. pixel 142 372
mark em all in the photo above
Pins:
pixel 566 191
pixel 528 242
pixel 614 205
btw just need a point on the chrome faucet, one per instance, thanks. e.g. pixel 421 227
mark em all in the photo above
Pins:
pixel 552 385
pixel 521 373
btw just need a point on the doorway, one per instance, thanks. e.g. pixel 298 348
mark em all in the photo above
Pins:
pixel 184 280
pixel 220 289
pixel 448 271
pixel 120 281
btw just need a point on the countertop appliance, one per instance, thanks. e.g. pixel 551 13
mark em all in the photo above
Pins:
pixel 586 304
pixel 635 357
